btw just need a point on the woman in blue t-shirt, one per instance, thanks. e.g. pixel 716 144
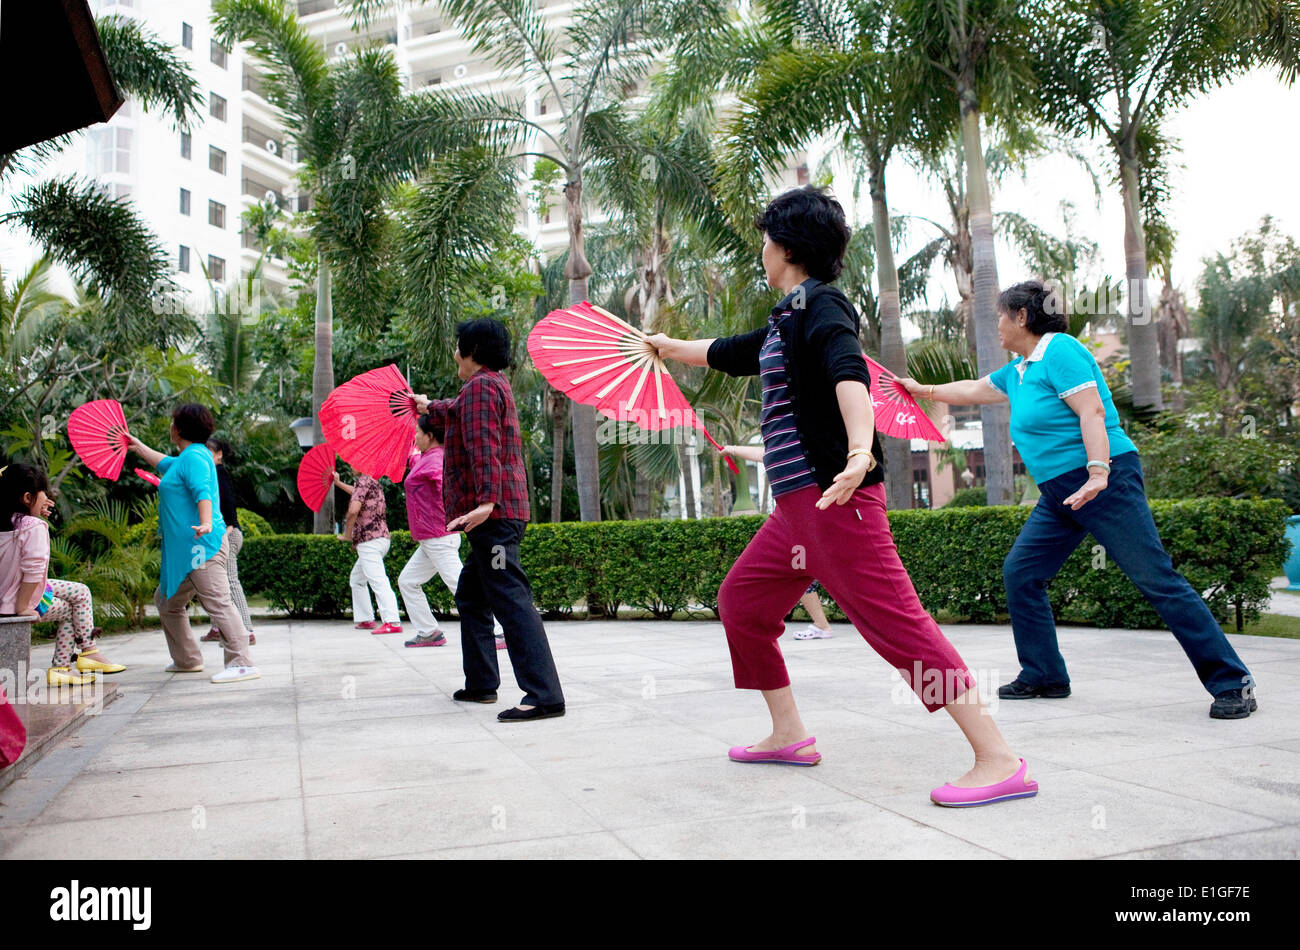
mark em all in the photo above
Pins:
pixel 1064 424
pixel 194 548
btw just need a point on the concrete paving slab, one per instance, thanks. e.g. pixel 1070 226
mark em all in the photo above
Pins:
pixel 350 746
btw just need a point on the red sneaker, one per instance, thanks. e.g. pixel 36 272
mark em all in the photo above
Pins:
pixel 212 636
pixel 388 628
pixel 365 625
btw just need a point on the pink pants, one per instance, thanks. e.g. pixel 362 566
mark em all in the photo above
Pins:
pixel 850 549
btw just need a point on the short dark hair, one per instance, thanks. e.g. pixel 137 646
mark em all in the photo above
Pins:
pixel 809 225
pixel 18 479
pixel 429 427
pixel 1043 306
pixel 485 341
pixel 222 446
pixel 193 422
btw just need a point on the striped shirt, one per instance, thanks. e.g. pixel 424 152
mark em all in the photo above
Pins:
pixel 783 456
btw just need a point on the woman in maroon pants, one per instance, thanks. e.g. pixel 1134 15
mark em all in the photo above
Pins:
pixel 826 469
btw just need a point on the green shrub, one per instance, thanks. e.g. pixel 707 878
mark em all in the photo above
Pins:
pixel 253 525
pixel 1225 547
pixel 968 497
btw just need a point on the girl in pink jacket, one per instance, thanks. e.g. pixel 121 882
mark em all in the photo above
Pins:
pixel 27 590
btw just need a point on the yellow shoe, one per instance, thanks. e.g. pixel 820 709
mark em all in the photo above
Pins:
pixel 63 676
pixel 87 665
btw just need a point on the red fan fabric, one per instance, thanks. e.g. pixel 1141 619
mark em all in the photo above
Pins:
pixel 13 734
pixel 97 431
pixel 897 413
pixel 599 360
pixel 316 475
pixel 370 422
pixel 149 477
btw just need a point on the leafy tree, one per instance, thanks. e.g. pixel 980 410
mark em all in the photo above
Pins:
pixel 1117 68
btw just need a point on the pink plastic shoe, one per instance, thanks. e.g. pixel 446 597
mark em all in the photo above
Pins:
pixel 388 628
pixel 1014 787
pixel 365 625
pixel 787 756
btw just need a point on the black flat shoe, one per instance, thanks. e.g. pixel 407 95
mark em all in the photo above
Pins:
pixel 515 714
pixel 1234 704
pixel 475 696
pixel 1017 689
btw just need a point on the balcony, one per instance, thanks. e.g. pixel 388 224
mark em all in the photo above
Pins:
pixel 274 147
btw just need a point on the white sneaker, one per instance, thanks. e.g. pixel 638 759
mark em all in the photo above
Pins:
pixel 811 632
pixel 173 668
pixel 236 674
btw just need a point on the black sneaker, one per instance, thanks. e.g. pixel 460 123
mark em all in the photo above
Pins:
pixel 475 696
pixel 1018 689
pixel 1234 704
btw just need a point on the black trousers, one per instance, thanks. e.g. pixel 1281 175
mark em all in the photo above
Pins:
pixel 493 582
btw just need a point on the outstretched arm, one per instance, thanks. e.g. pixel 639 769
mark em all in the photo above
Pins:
pixel 963 392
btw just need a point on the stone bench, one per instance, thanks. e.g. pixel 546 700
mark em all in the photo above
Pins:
pixel 16 646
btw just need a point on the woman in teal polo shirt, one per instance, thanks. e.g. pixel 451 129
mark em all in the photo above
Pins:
pixel 1064 424
pixel 194 548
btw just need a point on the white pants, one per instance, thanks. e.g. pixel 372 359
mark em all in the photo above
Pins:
pixel 369 571
pixel 440 556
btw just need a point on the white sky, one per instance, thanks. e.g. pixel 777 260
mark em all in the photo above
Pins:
pixel 1240 160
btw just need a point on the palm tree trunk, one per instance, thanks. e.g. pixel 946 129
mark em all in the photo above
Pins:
pixel 558 400
pixel 684 461
pixel 898 452
pixel 322 380
pixel 586 457
pixel 1143 348
pixel 641 495
pixel 994 419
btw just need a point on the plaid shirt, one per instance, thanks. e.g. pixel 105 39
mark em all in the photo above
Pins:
pixel 484 458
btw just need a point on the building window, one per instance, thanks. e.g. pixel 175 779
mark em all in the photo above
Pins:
pixel 187 36
pixel 216 160
pixel 217 107
pixel 216 214
pixel 186 144
pixel 218 53
pixel 216 268
pixel 109 150
pixel 185 201
pixel 183 261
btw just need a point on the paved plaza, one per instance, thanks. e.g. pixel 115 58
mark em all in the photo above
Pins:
pixel 350 746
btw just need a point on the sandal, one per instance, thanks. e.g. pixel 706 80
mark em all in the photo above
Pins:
pixel 787 756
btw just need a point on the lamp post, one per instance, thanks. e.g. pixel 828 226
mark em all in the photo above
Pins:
pixel 302 431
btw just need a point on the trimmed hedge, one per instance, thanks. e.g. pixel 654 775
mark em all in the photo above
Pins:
pixel 1225 547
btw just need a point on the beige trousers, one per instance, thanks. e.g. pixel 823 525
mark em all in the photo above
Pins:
pixel 210 582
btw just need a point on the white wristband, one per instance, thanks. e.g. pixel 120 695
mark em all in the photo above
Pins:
pixel 1097 463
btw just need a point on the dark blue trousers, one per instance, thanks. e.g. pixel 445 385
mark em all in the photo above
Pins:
pixel 493 582
pixel 1120 519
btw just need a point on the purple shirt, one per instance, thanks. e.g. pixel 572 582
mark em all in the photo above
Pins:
pixel 424 512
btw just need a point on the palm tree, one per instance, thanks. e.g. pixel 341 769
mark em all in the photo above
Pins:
pixel 979 47
pixel 836 68
pixel 1117 69
pixel 357 136
pixel 584 71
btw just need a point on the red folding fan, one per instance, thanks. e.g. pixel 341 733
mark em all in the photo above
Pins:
pixel 316 475
pixel 370 422
pixel 149 477
pixel 599 360
pixel 97 431
pixel 897 413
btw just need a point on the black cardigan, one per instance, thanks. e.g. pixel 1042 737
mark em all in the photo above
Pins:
pixel 821 348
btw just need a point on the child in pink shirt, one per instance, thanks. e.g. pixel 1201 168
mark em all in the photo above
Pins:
pixel 27 590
